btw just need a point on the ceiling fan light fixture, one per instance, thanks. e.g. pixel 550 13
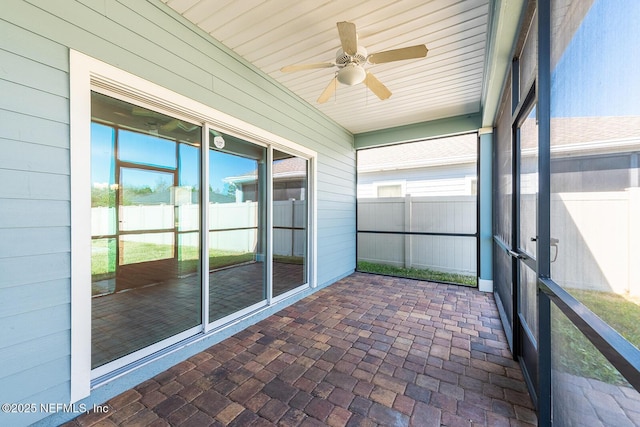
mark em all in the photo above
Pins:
pixel 351 74
pixel 350 61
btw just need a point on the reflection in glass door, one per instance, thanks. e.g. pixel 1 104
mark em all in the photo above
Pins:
pixel 146 227
pixel 526 220
pixel 290 219
pixel 237 219
pixel 145 212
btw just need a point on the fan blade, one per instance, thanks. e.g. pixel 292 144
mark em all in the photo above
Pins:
pixel 418 51
pixel 328 91
pixel 300 67
pixel 377 87
pixel 348 37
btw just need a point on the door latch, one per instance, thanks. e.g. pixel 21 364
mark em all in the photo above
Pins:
pixel 517 255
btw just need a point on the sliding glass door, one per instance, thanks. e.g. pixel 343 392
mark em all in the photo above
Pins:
pixel 290 222
pixel 169 262
pixel 145 212
pixel 237 225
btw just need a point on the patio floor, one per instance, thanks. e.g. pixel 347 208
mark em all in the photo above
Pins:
pixel 368 350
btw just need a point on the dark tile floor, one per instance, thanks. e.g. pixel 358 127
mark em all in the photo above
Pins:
pixel 368 350
pixel 129 320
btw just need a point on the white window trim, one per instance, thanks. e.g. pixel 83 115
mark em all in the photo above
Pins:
pixel 401 183
pixel 87 74
pixel 80 151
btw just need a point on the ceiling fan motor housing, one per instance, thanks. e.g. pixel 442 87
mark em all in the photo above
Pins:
pixel 360 57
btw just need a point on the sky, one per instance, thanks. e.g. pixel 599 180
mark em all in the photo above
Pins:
pixel 153 151
pixel 597 74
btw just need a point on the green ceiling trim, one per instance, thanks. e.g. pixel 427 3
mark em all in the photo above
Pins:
pixel 504 24
pixel 417 131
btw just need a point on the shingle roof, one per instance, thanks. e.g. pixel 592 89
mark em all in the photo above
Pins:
pixel 286 168
pixel 432 152
pixel 589 135
pixel 569 135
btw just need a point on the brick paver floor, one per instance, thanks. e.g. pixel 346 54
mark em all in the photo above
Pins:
pixel 368 350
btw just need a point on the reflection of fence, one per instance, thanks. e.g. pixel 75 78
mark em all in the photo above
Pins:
pixel 421 232
pixel 289 228
pixel 233 226
pixel 599 240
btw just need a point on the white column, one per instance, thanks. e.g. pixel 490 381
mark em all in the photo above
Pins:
pixel 485 233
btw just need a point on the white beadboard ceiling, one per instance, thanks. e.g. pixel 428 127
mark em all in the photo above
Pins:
pixel 273 33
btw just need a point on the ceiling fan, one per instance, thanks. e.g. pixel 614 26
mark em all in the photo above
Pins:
pixel 350 60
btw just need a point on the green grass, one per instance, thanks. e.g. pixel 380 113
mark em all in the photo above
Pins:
pixel 573 352
pixel 415 273
pixel 621 313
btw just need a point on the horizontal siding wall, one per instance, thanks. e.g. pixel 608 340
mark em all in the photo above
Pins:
pixel 147 39
pixel 427 181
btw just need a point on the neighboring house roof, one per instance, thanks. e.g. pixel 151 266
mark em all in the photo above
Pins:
pixel 433 152
pixel 599 134
pixel 294 167
pixel 569 136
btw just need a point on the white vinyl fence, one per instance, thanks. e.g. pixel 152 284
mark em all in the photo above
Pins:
pixel 238 222
pixel 443 214
pixel 290 228
pixel 598 240
pixel 597 233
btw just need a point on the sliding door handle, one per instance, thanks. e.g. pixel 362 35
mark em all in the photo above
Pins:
pixel 517 255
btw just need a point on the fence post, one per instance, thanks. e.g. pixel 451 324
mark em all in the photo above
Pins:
pixel 634 241
pixel 407 227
